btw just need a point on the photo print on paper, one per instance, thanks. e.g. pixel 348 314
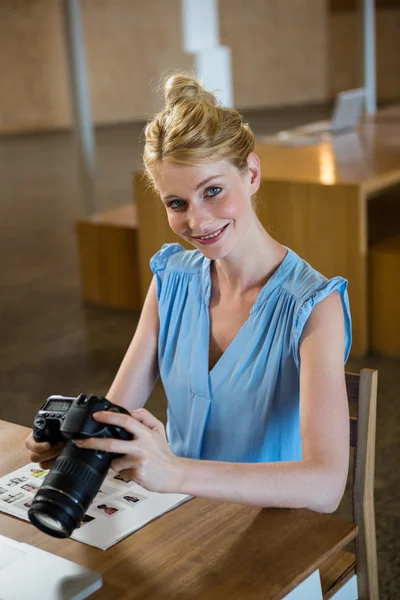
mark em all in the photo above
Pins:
pixel 107 509
pixel 24 504
pixel 130 498
pixel 16 481
pixel 38 472
pixel 86 519
pixel 11 498
pixel 30 487
pixel 123 480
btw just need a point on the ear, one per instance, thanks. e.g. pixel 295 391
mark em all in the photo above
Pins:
pixel 254 172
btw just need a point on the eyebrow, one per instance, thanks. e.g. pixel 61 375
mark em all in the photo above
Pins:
pixel 198 186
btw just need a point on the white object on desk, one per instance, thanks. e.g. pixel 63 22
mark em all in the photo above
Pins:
pixel 309 589
pixel 348 591
pixel 346 115
pixel 29 573
pixel 346 118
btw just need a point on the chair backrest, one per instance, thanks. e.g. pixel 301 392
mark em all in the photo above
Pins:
pixel 362 390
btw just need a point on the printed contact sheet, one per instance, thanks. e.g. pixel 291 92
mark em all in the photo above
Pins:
pixel 119 508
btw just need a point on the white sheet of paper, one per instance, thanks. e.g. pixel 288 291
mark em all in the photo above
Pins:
pixel 45 575
pixel 8 555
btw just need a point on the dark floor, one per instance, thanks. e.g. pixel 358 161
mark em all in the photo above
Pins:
pixel 51 343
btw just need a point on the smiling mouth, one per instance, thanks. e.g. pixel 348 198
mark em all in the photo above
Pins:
pixel 211 236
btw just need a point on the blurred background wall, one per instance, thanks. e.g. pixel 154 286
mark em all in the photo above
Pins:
pixel 286 52
pixel 343 36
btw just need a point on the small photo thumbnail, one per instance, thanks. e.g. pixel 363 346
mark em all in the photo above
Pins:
pixel 126 482
pixel 107 509
pixel 130 498
pixel 16 481
pixel 86 519
pixel 38 472
pixel 12 497
pixel 30 487
pixel 24 504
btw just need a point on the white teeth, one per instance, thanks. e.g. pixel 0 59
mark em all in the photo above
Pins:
pixel 213 235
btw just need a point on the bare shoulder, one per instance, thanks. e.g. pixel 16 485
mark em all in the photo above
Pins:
pixel 324 331
pixel 328 310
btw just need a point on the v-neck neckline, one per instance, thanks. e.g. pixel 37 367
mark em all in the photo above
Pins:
pixel 273 282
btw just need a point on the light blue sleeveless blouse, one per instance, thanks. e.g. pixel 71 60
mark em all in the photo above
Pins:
pixel 246 409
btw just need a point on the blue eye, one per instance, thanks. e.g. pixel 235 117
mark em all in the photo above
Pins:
pixel 174 204
pixel 214 190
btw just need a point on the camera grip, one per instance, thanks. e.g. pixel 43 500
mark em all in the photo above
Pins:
pixel 42 432
pixel 114 430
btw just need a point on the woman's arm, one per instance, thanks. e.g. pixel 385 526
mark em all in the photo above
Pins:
pixel 138 371
pixel 318 480
pixel 135 378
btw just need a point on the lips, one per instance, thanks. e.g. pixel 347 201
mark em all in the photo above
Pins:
pixel 211 237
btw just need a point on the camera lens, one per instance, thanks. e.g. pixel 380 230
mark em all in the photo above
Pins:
pixel 54 525
pixel 68 490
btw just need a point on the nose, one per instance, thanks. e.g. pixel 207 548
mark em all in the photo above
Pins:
pixel 198 219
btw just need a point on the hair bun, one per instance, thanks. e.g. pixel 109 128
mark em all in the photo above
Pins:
pixel 183 88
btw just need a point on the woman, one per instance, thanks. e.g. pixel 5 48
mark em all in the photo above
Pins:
pixel 249 340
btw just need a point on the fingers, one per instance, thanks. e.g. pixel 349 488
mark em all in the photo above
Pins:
pixel 128 474
pixel 139 426
pixel 125 464
pixel 107 445
pixel 42 452
pixel 144 416
pixel 45 456
pixel 47 464
pixel 37 447
pixel 121 420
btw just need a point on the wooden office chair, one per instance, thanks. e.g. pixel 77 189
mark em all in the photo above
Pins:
pixel 362 392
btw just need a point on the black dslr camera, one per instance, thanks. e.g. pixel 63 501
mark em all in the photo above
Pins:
pixel 71 485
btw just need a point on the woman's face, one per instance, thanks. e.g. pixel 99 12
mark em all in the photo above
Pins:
pixel 209 205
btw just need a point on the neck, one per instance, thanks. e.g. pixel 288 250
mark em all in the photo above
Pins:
pixel 252 263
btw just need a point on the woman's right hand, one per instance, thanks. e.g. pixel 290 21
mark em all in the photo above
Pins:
pixel 42 452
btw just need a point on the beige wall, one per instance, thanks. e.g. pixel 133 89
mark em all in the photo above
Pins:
pixel 129 45
pixel 33 86
pixel 279 50
pixel 284 52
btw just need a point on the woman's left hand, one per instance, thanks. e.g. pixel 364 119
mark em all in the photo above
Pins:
pixel 147 458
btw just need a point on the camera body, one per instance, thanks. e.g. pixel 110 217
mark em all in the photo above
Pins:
pixel 77 474
pixel 62 418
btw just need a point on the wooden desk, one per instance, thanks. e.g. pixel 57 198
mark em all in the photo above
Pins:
pixel 108 258
pixel 201 550
pixel 313 199
pixel 387 113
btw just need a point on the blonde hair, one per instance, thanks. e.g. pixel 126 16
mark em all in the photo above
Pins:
pixel 193 129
